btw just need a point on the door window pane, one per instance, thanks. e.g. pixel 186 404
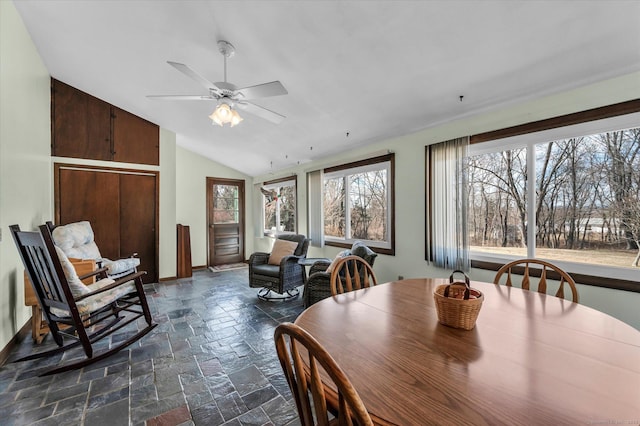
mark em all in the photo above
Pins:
pixel 225 204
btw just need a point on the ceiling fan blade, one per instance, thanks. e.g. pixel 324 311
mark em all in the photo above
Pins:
pixel 275 88
pixel 194 75
pixel 182 97
pixel 261 112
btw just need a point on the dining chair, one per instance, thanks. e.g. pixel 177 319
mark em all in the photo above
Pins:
pixel 351 273
pixel 318 285
pixel 306 383
pixel 539 268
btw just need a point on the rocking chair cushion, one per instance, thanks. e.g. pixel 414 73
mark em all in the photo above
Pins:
pixel 115 267
pixel 77 287
pixel 77 240
pixel 93 303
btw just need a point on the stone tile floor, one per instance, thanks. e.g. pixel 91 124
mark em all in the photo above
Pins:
pixel 210 361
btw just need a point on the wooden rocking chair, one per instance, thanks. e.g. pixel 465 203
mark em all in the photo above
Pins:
pixel 85 314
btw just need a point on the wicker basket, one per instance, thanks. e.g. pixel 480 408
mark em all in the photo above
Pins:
pixel 457 304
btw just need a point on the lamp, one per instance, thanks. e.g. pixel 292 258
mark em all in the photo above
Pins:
pixel 225 114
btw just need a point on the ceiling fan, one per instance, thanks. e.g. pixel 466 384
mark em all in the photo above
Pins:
pixel 228 95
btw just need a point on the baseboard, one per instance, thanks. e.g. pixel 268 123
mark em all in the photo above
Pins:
pixel 23 333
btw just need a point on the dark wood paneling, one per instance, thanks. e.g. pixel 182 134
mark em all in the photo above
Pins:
pixel 184 269
pixel 81 124
pixel 135 140
pixel 137 221
pixel 92 196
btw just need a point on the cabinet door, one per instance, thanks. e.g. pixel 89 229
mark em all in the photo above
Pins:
pixel 138 221
pixel 81 124
pixel 135 140
pixel 93 196
pixel 121 206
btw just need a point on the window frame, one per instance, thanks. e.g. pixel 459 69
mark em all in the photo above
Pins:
pixel 361 166
pixel 598 120
pixel 277 183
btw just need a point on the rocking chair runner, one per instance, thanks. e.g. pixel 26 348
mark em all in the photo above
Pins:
pixel 86 314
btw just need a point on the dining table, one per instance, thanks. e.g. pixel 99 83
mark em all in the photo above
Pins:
pixel 531 359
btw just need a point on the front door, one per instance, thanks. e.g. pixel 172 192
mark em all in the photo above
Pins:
pixel 225 213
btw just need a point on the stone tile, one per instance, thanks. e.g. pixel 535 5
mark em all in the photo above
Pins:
pixel 109 415
pixel 248 380
pixel 176 416
pixel 280 411
pixel 74 403
pixel 259 397
pixel 210 361
pixel 231 406
pixel 208 415
pixel 255 417
pixel 98 401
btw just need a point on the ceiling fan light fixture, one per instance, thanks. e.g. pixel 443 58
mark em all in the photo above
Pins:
pixel 224 114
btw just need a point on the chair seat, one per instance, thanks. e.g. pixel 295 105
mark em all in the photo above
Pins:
pixel 92 303
pixel 268 270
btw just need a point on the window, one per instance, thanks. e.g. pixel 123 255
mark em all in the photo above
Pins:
pixel 357 204
pixel 579 185
pixel 279 206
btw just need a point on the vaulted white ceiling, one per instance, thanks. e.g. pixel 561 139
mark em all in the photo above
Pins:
pixel 374 69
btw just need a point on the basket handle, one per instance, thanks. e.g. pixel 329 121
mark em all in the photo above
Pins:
pixel 467 289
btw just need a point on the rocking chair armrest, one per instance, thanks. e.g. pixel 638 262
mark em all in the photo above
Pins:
pixel 99 271
pixel 116 283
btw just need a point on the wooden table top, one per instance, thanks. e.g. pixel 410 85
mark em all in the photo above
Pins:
pixel 531 359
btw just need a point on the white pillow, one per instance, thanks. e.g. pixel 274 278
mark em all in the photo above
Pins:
pixel 76 286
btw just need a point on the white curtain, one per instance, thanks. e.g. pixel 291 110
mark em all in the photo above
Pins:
pixel 315 217
pixel 448 245
pixel 257 210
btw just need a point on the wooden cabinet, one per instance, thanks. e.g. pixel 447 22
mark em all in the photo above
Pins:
pixel 134 140
pixel 80 124
pixel 83 126
pixel 121 206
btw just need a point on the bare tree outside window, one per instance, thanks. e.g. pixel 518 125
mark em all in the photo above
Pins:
pixel 587 206
pixel 225 209
pixel 357 203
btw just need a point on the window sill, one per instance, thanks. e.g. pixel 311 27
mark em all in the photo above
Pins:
pixel 493 263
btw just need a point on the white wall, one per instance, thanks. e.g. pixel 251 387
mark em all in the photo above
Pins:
pixel 410 186
pixel 25 167
pixel 192 171
pixel 167 254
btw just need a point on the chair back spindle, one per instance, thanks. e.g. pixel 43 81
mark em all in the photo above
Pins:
pixel 306 382
pixel 543 267
pixel 351 273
